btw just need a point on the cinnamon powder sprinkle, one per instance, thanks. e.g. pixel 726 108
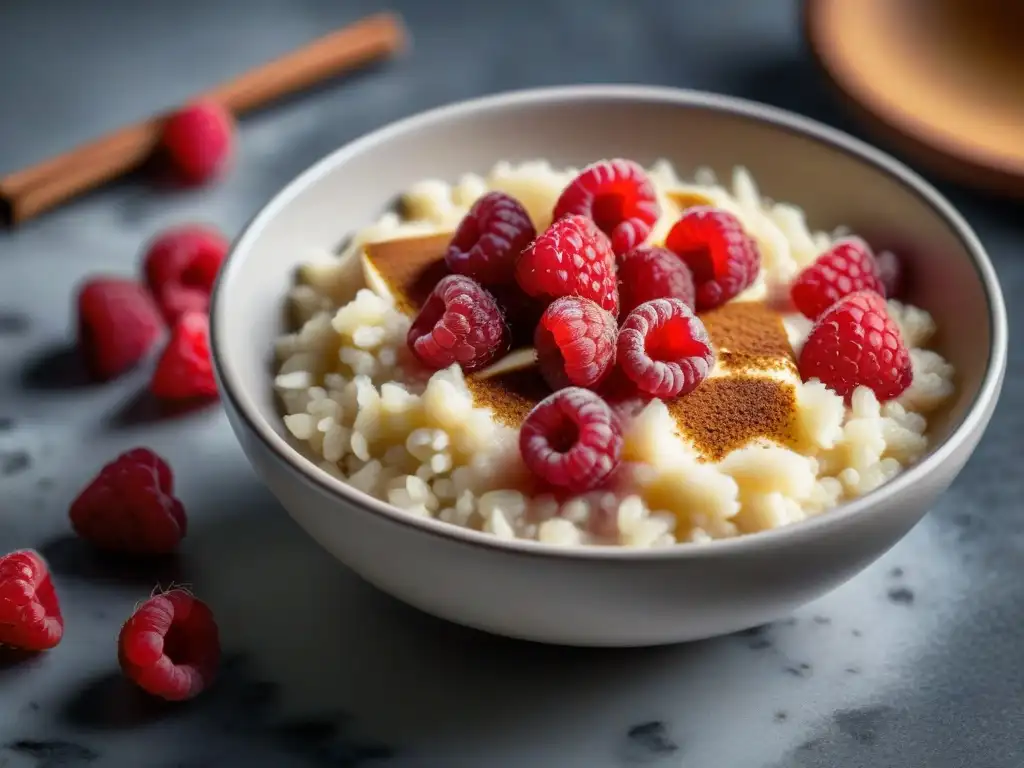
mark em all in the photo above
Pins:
pixel 749 334
pixel 724 413
pixel 510 396
pixel 728 412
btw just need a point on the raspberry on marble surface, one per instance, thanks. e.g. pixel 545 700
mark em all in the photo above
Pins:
pixel 198 141
pixel 185 370
pixel 30 615
pixel 170 646
pixel 118 324
pixel 130 507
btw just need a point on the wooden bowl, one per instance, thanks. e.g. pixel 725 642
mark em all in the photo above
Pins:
pixel 942 80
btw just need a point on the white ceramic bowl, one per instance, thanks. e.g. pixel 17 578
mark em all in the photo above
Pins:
pixel 608 596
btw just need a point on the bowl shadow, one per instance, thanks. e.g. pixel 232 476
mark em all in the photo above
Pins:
pixel 386 669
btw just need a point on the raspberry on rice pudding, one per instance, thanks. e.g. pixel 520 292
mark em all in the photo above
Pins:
pixel 607 356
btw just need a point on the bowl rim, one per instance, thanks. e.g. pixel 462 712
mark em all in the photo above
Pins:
pixel 236 393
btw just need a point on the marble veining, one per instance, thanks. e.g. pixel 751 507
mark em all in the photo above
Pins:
pixel 913 663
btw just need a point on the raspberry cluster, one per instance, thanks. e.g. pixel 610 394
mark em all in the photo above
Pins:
pixel 854 342
pixel 170 645
pixel 614 319
pixel 121 320
pixel 599 304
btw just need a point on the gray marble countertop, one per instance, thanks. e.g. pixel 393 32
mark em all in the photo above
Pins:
pixel 913 663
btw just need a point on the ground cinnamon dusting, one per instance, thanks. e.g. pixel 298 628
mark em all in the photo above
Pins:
pixel 728 412
pixel 724 413
pixel 510 396
pixel 411 266
pixel 749 334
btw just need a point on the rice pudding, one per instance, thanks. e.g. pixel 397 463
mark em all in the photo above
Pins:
pixel 692 374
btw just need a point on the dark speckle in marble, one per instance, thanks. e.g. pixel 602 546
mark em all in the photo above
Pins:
pixel 896 573
pixel 756 638
pixel 14 323
pixel 7 423
pixel 802 669
pixel 649 742
pixel 963 520
pixel 755 631
pixel 14 462
pixel 809 745
pixel 901 595
pixel 863 724
pixel 50 753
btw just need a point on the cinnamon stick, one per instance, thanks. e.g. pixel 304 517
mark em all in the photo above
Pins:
pixel 33 190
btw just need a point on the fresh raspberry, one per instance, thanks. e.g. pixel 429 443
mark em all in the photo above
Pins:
pixel 118 323
pixel 170 646
pixel 620 199
pixel 181 266
pixel 130 507
pixel 184 371
pixel 653 273
pixel 664 349
pixel 571 258
pixel 571 439
pixel 30 617
pixel 198 141
pixel 489 239
pixel 460 323
pixel 575 343
pixel 848 266
pixel 891 273
pixel 855 343
pixel 723 258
